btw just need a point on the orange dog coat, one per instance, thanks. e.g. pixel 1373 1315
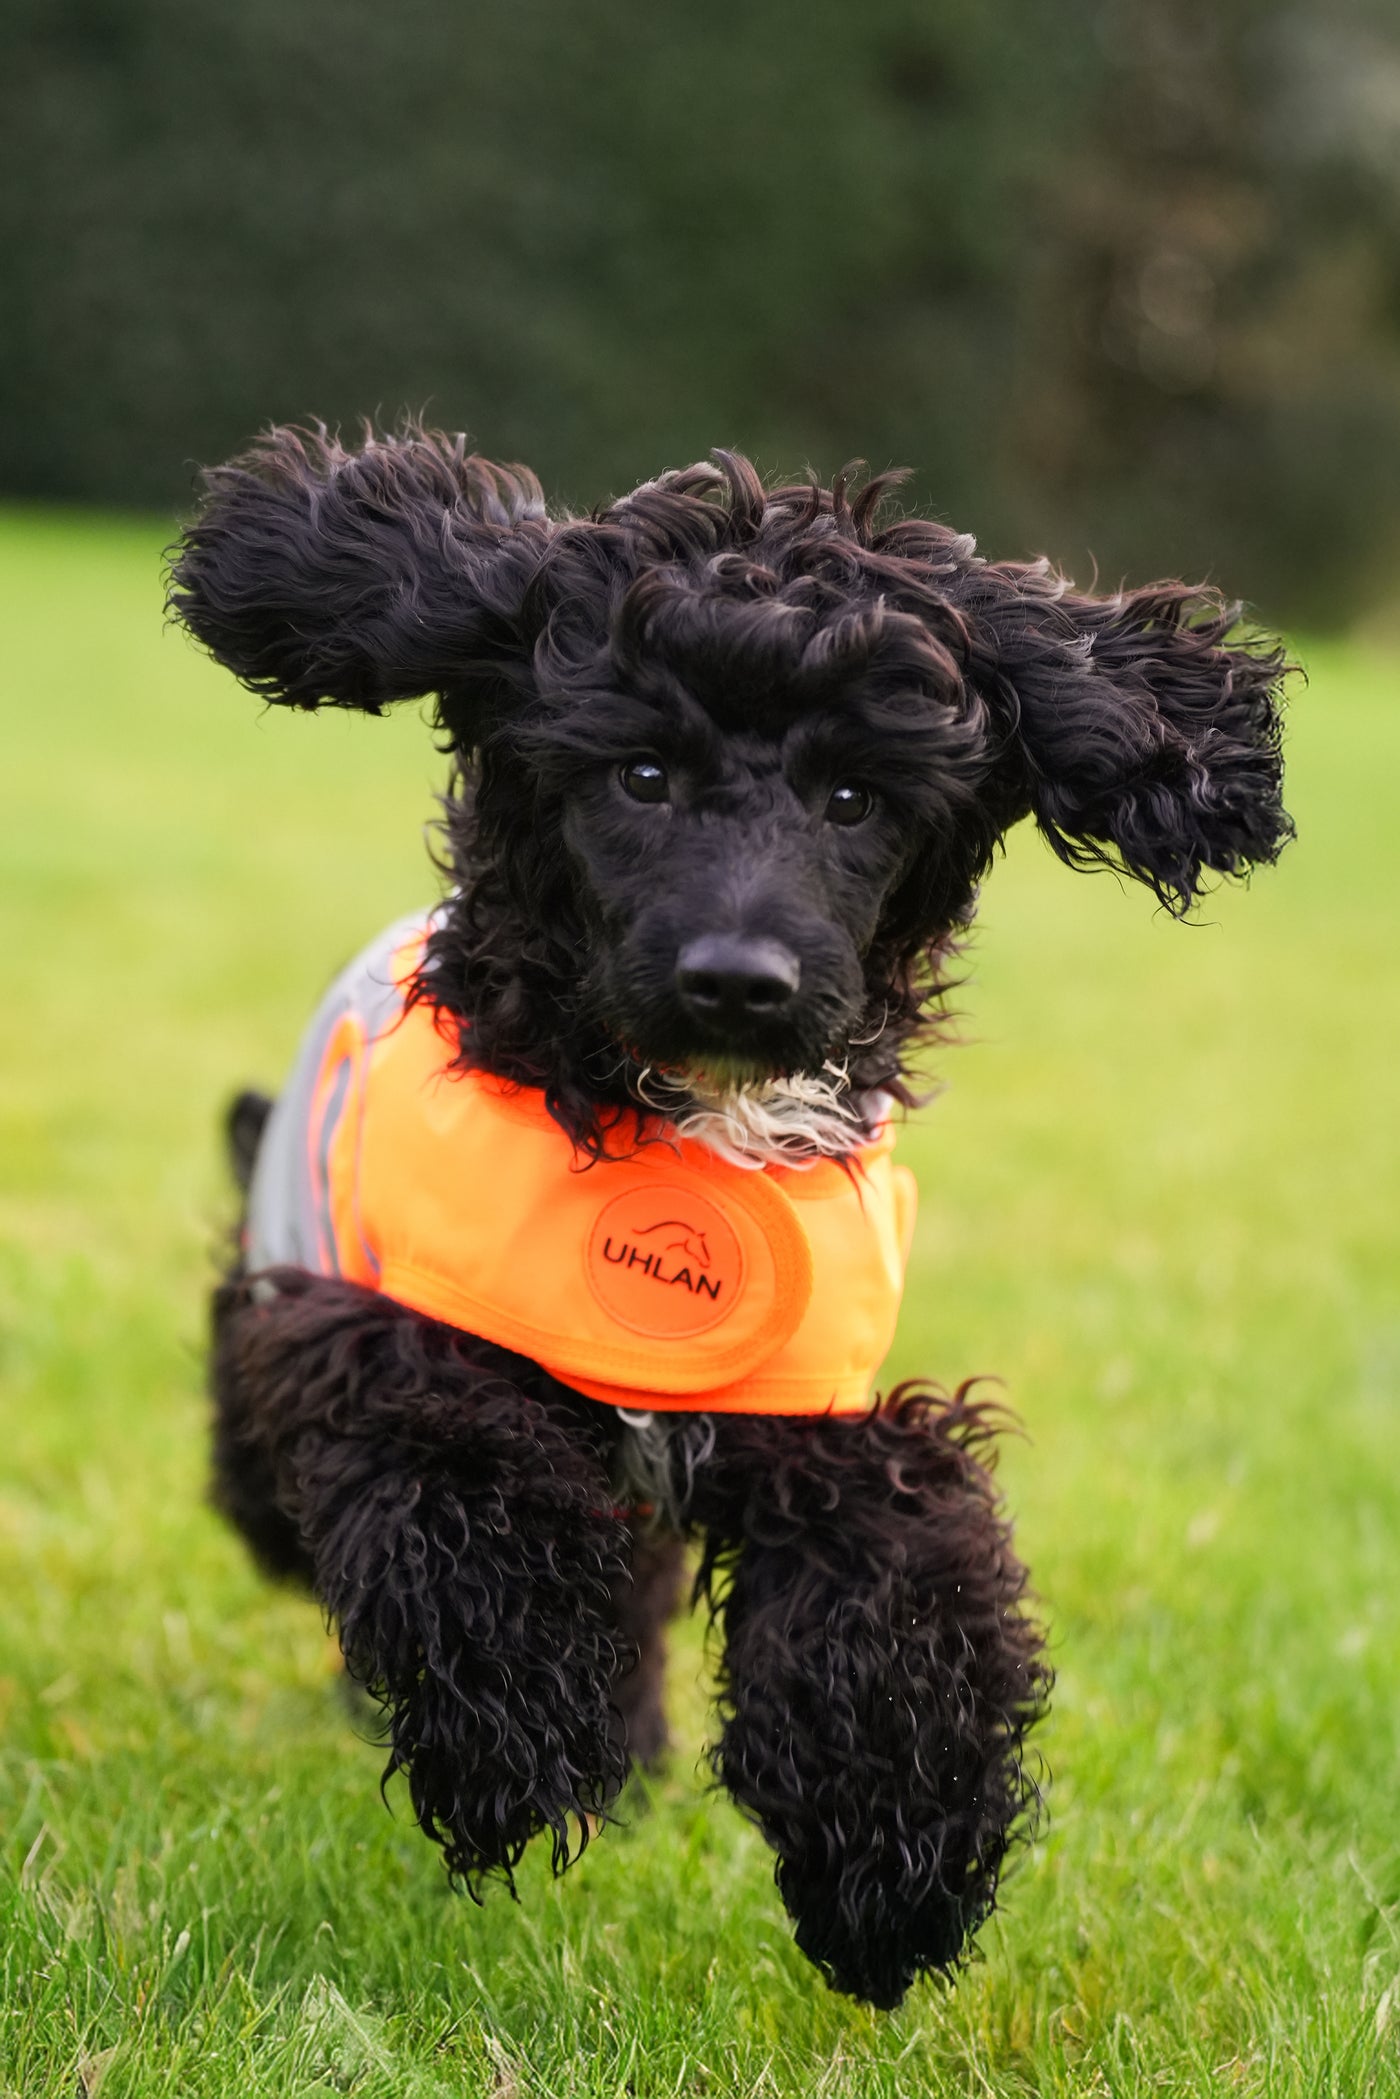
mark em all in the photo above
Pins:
pixel 661 1277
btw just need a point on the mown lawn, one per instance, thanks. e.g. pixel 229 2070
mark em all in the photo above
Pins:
pixel 1159 1200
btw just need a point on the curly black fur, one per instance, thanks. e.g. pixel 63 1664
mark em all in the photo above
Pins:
pixel 879 1674
pixel 452 1510
pixel 840 719
pixel 726 628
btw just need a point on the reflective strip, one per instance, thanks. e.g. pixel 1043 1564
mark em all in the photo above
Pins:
pixel 321 1168
pixel 288 1198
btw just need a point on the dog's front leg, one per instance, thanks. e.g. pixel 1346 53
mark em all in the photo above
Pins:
pixel 878 1678
pixel 460 1532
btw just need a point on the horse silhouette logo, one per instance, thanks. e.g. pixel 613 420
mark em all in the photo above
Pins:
pixel 691 1242
pixel 665 1261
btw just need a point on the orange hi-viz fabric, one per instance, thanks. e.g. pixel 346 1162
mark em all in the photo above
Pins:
pixel 666 1277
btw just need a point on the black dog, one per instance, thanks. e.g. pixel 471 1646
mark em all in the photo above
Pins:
pixel 731 765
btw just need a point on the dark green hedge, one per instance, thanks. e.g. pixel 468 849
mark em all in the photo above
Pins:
pixel 1114 277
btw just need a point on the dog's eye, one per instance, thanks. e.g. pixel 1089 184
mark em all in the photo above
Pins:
pixel 645 780
pixel 849 805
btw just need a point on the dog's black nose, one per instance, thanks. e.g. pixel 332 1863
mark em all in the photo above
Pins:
pixel 724 977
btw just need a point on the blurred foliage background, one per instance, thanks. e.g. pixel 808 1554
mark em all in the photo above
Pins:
pixel 1119 278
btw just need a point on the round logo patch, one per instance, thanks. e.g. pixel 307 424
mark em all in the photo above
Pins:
pixel 665 1261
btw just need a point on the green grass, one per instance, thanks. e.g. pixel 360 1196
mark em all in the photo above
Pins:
pixel 1159 1200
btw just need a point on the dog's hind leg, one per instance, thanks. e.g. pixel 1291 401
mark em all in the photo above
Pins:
pixel 644 1604
pixel 879 1675
pixel 245 1483
pixel 453 1507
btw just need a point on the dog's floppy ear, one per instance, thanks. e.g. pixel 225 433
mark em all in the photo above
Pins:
pixel 1142 728
pixel 353 578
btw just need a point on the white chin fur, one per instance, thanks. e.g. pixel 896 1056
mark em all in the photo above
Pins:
pixel 756 1123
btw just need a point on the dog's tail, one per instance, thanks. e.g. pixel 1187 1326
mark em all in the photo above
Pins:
pixel 244 1124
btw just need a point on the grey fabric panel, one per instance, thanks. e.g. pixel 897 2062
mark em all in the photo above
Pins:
pixel 283 1197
